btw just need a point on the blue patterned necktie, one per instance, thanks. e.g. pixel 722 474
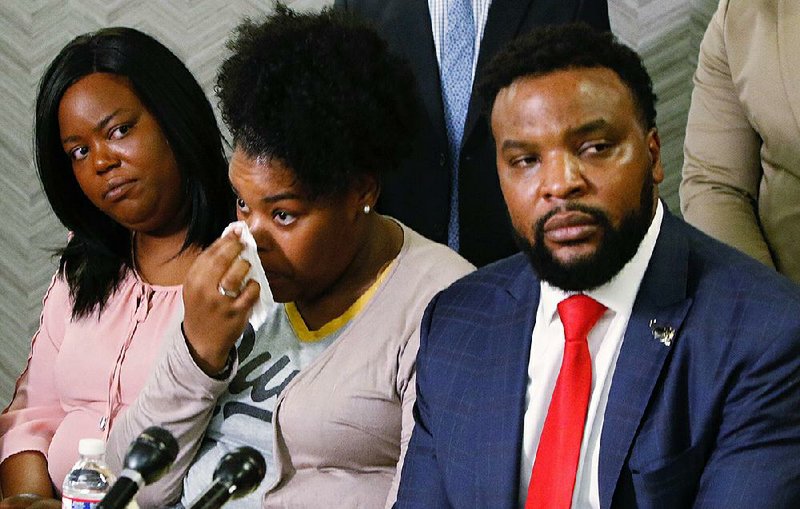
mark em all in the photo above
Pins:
pixel 457 53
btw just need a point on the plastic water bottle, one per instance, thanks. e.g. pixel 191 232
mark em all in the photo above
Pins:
pixel 90 478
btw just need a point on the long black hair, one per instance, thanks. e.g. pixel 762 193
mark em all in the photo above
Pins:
pixel 98 254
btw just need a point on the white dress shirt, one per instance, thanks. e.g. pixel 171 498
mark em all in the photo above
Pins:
pixel 605 340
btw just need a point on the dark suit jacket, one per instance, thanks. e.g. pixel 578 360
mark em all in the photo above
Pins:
pixel 711 421
pixel 419 193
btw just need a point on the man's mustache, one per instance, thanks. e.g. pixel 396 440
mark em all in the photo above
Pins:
pixel 597 214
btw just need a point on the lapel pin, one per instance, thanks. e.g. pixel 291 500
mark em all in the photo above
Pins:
pixel 664 333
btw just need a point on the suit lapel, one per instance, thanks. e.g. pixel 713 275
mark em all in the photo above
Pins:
pixel 412 20
pixel 511 347
pixel 789 52
pixel 662 297
pixel 503 22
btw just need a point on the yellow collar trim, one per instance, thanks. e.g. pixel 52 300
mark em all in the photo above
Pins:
pixel 301 329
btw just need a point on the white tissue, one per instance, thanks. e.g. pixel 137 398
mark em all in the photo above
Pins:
pixel 258 314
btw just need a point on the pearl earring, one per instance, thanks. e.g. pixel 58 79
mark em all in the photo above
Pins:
pixel 367 209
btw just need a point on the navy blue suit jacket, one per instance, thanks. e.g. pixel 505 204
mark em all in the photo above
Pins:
pixel 419 193
pixel 711 421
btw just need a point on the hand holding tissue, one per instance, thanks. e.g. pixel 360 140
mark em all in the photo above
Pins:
pixel 250 254
pixel 220 297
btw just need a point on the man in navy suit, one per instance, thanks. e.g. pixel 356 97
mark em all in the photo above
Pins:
pixel 693 393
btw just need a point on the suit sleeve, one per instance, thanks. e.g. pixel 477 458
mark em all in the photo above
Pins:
pixel 722 166
pixel 421 484
pixel 179 397
pixel 755 461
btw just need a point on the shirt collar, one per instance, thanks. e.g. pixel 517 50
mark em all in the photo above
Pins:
pixel 619 293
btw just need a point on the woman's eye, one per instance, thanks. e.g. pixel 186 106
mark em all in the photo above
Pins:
pixel 120 131
pixel 79 153
pixel 241 205
pixel 284 218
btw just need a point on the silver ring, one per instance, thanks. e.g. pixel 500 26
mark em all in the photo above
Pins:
pixel 227 293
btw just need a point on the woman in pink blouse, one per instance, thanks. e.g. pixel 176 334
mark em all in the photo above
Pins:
pixel 131 160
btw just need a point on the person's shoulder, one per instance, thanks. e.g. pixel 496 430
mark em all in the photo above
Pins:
pixel 423 255
pixel 725 271
pixel 58 287
pixel 744 316
pixel 482 300
pixel 56 303
pixel 431 260
pixel 503 271
pixel 494 281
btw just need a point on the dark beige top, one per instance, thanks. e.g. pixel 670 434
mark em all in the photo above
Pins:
pixel 341 426
pixel 741 174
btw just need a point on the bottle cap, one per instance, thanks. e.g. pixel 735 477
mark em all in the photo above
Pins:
pixel 91 447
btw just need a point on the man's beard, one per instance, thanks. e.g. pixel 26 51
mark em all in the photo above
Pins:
pixel 617 246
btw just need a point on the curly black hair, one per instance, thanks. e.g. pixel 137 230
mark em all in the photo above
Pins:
pixel 570 46
pixel 321 93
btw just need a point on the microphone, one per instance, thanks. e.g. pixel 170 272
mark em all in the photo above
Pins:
pixel 148 458
pixel 238 473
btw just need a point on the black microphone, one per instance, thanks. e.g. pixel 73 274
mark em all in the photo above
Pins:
pixel 148 458
pixel 238 473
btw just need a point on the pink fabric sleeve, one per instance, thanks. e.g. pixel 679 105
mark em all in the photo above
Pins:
pixel 31 419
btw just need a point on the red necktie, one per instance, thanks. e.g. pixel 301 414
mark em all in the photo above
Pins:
pixel 553 476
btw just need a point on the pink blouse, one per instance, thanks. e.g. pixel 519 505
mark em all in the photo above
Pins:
pixel 82 373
